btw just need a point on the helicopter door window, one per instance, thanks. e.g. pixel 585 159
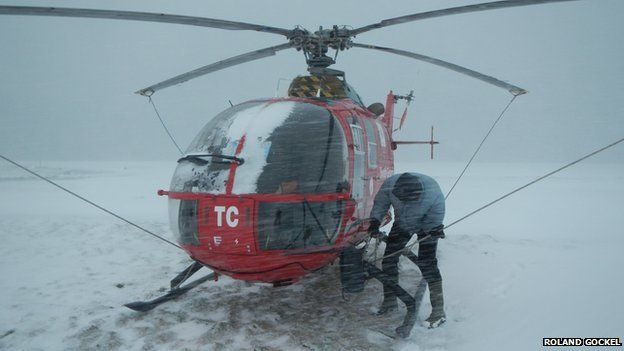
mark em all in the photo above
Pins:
pixel 356 131
pixel 358 167
pixel 372 144
pixel 382 135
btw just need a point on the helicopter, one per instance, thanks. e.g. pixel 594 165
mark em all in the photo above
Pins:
pixel 273 189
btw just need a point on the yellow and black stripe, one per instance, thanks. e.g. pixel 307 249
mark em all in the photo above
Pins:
pixel 329 87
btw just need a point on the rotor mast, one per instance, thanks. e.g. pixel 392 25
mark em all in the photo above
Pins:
pixel 315 46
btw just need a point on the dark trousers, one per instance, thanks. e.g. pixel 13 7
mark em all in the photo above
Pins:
pixel 427 261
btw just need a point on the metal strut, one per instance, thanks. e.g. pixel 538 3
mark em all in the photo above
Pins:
pixel 185 274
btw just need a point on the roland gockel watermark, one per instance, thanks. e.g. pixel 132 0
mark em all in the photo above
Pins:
pixel 582 342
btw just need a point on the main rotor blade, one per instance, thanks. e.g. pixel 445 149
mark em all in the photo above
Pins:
pixel 488 79
pixel 451 11
pixel 139 16
pixel 229 62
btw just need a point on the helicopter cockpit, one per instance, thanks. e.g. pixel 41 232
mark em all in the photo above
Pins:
pixel 281 155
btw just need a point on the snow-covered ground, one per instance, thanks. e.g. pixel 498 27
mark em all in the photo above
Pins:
pixel 545 262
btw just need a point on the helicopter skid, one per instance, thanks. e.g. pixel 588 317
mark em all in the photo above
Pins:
pixel 144 306
pixel 176 288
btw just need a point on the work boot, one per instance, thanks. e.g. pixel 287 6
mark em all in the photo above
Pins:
pixel 437 316
pixel 389 303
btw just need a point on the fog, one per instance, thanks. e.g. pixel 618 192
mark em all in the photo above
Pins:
pixel 67 84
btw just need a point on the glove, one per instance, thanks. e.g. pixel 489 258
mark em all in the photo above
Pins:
pixel 437 232
pixel 373 228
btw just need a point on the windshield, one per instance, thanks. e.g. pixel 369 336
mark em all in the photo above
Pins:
pixel 288 147
pixel 214 139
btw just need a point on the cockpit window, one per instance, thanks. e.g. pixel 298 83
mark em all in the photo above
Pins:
pixel 288 147
pixel 307 154
pixel 215 138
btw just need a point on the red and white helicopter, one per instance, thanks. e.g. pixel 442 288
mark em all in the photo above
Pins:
pixel 272 189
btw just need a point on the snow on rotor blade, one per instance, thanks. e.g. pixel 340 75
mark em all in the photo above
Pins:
pixel 463 70
pixel 139 16
pixel 213 67
pixel 452 11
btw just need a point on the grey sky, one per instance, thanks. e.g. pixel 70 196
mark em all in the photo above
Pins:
pixel 67 85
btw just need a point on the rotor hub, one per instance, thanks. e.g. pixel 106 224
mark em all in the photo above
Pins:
pixel 316 45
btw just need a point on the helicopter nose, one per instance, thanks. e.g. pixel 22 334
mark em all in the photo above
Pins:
pixel 225 225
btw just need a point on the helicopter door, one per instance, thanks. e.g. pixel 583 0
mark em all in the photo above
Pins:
pixel 358 164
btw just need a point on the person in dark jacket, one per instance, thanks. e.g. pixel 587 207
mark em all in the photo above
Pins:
pixel 419 208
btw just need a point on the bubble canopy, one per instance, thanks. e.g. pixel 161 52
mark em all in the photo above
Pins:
pixel 281 146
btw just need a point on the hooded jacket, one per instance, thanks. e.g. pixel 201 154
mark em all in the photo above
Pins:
pixel 416 198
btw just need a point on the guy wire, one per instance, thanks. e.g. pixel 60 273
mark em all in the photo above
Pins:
pixel 89 202
pixel 535 181
pixel 480 145
pixel 164 126
pixel 408 247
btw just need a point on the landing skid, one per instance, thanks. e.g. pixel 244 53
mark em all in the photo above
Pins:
pixel 175 291
pixel 411 302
